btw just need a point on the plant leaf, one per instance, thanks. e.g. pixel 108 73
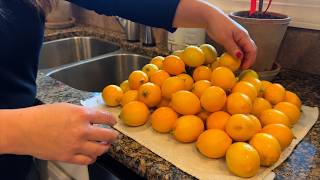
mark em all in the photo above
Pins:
pixel 269 4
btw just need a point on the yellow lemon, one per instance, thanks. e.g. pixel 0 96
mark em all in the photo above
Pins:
pixel 135 113
pixel 188 81
pixel 246 88
pixel 159 77
pixel 259 105
pixel 150 69
pixel 275 93
pixel 229 61
pixel 264 85
pixel 256 122
pixel 131 95
pixel 193 56
pixel 158 61
pixel 290 110
pixel 213 143
pixel 254 81
pixel 136 79
pixel 293 98
pixel 281 132
pixel 273 116
pixel 177 53
pixel 213 99
pixel 240 127
pixel 172 85
pixel 125 86
pixel 173 65
pixel 202 73
pixel 185 102
pixel 112 95
pixel 200 86
pixel 239 103
pixel 223 77
pixel 163 119
pixel 268 148
pixel 188 128
pixel 218 120
pixel 215 64
pixel 242 159
pixel 210 53
pixel 150 94
pixel 248 72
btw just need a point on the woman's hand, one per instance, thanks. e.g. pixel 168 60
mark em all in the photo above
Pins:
pixel 222 29
pixel 62 132
pixel 233 37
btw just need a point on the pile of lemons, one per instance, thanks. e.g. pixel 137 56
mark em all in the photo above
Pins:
pixel 198 97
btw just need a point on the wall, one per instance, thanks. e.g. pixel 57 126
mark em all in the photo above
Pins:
pixel 300 49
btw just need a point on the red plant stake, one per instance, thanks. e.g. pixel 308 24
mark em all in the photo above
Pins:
pixel 253 6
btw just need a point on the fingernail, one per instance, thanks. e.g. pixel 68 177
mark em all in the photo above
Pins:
pixel 239 54
pixel 245 66
pixel 105 143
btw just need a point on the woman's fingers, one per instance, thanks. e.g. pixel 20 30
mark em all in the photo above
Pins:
pixel 101 117
pixel 250 50
pixel 102 134
pixel 240 45
pixel 248 47
pixel 82 159
pixel 231 47
pixel 93 149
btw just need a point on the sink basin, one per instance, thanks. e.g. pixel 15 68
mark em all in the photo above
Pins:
pixel 65 51
pixel 95 74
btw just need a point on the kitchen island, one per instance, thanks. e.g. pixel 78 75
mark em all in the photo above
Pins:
pixel 304 162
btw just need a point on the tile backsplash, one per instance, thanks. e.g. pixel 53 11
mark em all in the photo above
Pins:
pixel 109 23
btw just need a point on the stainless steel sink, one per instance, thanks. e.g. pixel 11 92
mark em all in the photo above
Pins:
pixel 70 50
pixel 95 74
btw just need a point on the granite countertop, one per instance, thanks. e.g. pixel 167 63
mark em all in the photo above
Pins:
pixel 304 162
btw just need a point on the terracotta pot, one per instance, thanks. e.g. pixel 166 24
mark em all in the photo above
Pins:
pixel 270 75
pixel 267 34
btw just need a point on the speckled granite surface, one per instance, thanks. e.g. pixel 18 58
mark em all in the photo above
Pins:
pixel 304 163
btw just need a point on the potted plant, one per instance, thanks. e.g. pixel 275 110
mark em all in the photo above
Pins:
pixel 267 29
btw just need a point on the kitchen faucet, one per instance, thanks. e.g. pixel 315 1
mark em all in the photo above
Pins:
pixel 132 30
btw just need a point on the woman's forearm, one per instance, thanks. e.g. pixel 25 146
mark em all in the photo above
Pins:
pixel 60 132
pixel 192 13
pixel 11 134
pixel 221 28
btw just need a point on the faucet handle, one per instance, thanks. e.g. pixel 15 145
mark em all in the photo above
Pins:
pixel 148 37
pixel 123 22
pixel 132 29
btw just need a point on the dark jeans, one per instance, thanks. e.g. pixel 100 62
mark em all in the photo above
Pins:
pixel 17 167
pixel 14 167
